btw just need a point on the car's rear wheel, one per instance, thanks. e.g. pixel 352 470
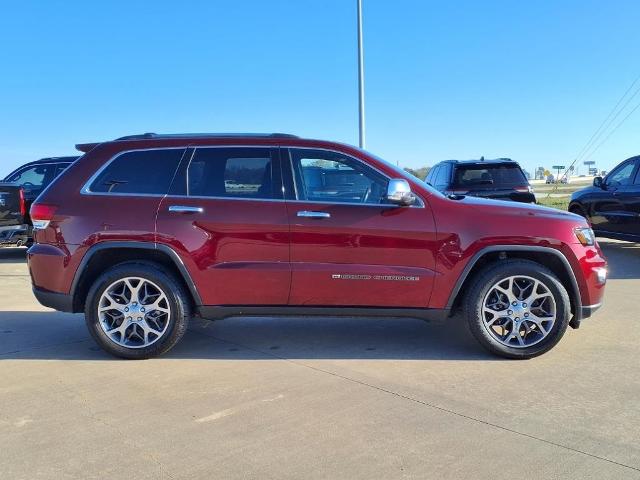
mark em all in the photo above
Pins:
pixel 517 309
pixel 137 310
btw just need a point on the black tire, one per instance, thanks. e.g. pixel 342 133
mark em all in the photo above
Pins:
pixel 578 210
pixel 482 283
pixel 178 300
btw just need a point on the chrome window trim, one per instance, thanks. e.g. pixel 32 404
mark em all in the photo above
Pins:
pixel 85 190
pixel 297 200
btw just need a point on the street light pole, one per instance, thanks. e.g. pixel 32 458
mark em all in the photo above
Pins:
pixel 360 78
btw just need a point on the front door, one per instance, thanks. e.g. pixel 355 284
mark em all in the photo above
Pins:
pixel 610 210
pixel 349 247
pixel 226 218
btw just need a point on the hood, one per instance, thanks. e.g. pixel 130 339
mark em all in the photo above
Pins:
pixel 502 207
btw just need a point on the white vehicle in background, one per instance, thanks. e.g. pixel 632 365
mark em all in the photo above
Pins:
pixel 550 179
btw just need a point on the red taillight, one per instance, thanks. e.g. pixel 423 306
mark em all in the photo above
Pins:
pixel 41 214
pixel 526 189
pixel 23 205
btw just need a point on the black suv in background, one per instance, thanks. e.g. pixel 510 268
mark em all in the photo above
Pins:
pixel 18 190
pixel 501 179
pixel 35 176
pixel 612 203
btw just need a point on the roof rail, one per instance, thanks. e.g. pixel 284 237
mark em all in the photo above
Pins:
pixel 150 135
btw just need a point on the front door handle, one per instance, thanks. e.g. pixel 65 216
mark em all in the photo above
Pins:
pixel 185 209
pixel 310 214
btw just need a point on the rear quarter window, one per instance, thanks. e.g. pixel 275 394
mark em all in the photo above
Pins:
pixel 144 172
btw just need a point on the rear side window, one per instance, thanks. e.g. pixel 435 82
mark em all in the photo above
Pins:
pixel 442 178
pixel 230 172
pixel 489 176
pixel 145 172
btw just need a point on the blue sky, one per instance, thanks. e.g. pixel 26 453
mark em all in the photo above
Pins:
pixel 526 80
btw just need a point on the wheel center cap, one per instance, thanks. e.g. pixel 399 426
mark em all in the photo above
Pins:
pixel 134 310
pixel 519 310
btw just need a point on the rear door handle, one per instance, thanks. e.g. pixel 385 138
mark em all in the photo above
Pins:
pixel 185 209
pixel 310 214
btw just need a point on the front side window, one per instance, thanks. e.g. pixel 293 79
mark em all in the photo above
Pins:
pixel 230 172
pixel 325 176
pixel 621 175
pixel 143 172
pixel 31 177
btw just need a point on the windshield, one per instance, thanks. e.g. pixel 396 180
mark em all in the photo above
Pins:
pixel 489 176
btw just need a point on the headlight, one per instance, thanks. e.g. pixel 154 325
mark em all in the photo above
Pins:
pixel 585 236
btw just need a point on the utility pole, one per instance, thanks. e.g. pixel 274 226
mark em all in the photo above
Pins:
pixel 360 78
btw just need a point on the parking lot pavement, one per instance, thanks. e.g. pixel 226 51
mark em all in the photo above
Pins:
pixel 319 397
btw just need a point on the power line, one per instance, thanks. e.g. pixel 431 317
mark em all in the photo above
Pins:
pixel 612 131
pixel 600 129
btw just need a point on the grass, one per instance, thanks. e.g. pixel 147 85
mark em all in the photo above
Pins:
pixel 561 203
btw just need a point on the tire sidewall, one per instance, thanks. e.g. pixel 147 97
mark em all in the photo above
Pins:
pixel 487 280
pixel 178 318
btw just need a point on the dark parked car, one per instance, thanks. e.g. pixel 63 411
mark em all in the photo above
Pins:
pixel 501 179
pixel 35 176
pixel 144 231
pixel 612 203
pixel 18 191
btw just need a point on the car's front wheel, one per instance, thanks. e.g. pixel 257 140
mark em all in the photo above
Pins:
pixel 517 309
pixel 137 310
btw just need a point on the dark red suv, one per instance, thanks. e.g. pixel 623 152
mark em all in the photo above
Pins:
pixel 145 231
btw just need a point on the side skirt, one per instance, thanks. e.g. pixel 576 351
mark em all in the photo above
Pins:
pixel 213 312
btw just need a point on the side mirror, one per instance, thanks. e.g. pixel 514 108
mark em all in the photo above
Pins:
pixel 399 192
pixel 597 182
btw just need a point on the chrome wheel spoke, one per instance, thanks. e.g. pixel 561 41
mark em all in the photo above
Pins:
pixel 134 312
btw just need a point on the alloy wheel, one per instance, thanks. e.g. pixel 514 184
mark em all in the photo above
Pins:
pixel 134 312
pixel 519 311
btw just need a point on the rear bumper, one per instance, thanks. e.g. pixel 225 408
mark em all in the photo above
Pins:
pixel 58 301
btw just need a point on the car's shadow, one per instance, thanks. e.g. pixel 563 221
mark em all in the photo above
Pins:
pixel 13 254
pixel 58 336
pixel 623 258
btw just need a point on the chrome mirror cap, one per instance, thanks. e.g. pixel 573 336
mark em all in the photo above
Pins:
pixel 399 192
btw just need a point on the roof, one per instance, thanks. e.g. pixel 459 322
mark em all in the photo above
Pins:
pixel 68 159
pixel 482 161
pixel 86 147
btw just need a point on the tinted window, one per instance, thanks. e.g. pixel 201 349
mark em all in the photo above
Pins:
pixel 442 179
pixel 33 177
pixel 621 175
pixel 332 177
pixel 230 172
pixel 141 172
pixel 61 168
pixel 433 174
pixel 489 176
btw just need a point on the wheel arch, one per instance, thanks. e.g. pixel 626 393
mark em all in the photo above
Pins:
pixel 106 254
pixel 547 256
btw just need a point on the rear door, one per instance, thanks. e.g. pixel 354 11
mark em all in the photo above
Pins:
pixel 348 247
pixel 226 218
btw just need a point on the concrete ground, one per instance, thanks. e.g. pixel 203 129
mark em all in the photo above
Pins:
pixel 315 398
